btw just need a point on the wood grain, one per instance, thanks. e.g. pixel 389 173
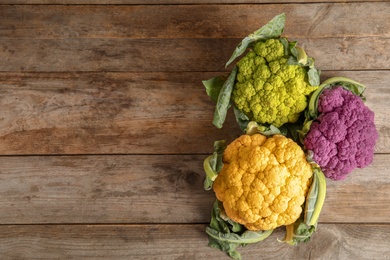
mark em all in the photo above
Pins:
pixel 103 189
pixel 104 125
pixel 123 54
pixel 93 113
pixel 127 113
pixel 314 20
pixel 91 39
pixel 331 241
pixel 153 189
pixel 162 2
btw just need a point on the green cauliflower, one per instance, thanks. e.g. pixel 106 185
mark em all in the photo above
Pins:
pixel 268 89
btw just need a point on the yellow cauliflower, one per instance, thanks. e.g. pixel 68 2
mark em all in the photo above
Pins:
pixel 263 182
pixel 268 88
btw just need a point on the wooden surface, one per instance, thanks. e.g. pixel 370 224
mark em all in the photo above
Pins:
pixel 104 125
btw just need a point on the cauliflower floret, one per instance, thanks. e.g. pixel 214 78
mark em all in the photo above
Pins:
pixel 263 182
pixel 343 137
pixel 271 49
pixel 268 89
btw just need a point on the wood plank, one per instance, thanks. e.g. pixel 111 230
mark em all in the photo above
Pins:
pixel 153 189
pixel 94 113
pixel 123 54
pixel 191 21
pixel 346 201
pixel 103 189
pixel 69 34
pixel 162 2
pixel 332 241
pixel 129 113
pixel 92 80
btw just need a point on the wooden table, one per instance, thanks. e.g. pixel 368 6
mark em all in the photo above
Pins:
pixel 105 124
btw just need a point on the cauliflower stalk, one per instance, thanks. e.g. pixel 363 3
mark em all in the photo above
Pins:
pixel 342 135
pixel 269 84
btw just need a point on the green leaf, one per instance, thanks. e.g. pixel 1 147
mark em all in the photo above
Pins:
pixel 252 128
pixel 315 198
pixel 310 63
pixel 234 226
pixel 226 235
pixel 216 160
pixel 304 130
pixel 272 29
pixel 211 174
pixel 298 232
pixel 301 56
pixel 213 164
pixel 311 200
pixel 248 237
pixel 219 224
pixel 297 56
pixel 294 52
pixel 224 223
pixel 241 118
pixel 213 87
pixel 349 84
pixel 314 76
pixel 235 255
pixel 208 183
pixel 286 45
pixel 270 130
pixel 293 61
pixel 229 248
pixel 291 130
pixel 312 108
pixel 255 128
pixel 223 102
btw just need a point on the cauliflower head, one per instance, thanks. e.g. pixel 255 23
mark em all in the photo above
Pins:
pixel 343 137
pixel 263 182
pixel 268 89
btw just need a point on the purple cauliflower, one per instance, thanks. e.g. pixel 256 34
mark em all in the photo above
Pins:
pixel 343 137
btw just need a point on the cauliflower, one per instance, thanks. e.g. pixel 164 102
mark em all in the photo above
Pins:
pixel 268 88
pixel 269 84
pixel 263 181
pixel 343 136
